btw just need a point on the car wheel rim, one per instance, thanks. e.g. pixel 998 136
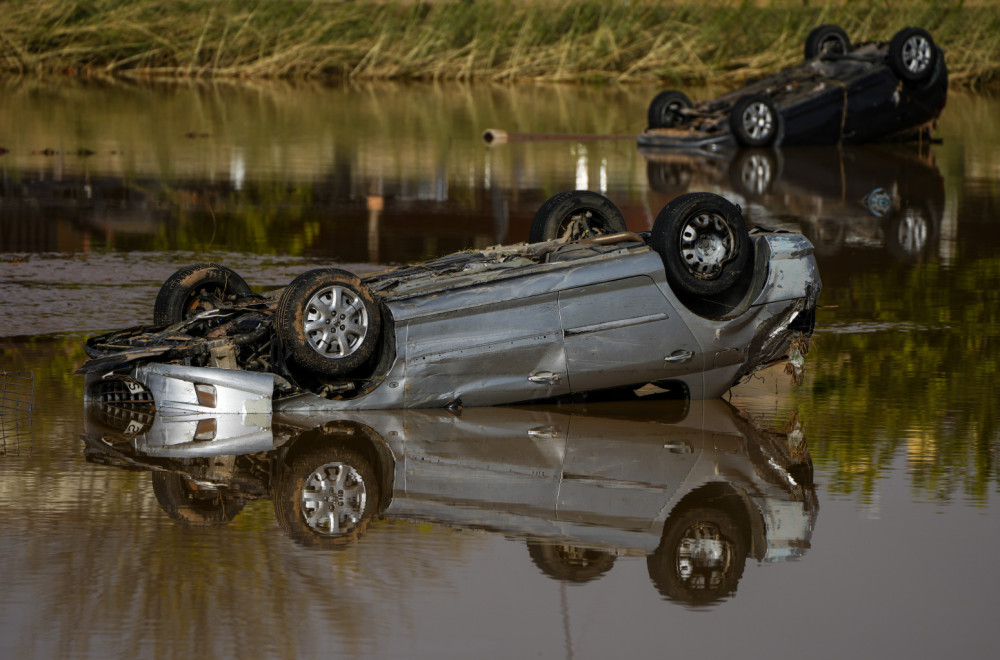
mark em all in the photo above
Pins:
pixel 336 322
pixel 757 121
pixel 916 54
pixel 703 556
pixel 706 245
pixel 333 498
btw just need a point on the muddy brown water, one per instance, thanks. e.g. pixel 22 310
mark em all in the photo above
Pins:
pixel 540 532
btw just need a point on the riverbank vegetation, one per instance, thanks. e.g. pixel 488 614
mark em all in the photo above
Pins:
pixel 686 41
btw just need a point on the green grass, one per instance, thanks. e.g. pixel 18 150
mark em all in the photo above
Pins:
pixel 563 40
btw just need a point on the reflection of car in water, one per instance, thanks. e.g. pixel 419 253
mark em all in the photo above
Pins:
pixel 694 487
pixel 698 303
pixel 887 197
pixel 840 94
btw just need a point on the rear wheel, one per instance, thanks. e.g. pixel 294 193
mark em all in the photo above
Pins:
pixel 329 321
pixel 705 246
pixel 196 289
pixel 665 109
pixel 912 54
pixel 827 40
pixel 574 215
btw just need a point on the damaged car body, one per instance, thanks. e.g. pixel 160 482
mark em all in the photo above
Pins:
pixel 694 306
pixel 840 94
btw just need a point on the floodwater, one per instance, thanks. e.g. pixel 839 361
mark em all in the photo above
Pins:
pixel 860 505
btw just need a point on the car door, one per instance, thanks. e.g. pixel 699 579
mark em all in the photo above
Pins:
pixel 624 332
pixel 498 348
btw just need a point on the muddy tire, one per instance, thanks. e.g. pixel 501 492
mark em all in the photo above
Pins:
pixel 827 40
pixel 912 54
pixel 754 121
pixel 196 289
pixel 185 502
pixel 327 495
pixel 701 557
pixel 574 215
pixel 705 246
pixel 665 109
pixel 329 321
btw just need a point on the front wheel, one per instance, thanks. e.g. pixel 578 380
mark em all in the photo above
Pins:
pixel 196 289
pixel 912 54
pixel 329 321
pixel 705 246
pixel 575 215
pixel 754 121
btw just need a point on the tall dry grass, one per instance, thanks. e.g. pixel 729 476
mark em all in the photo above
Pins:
pixel 572 40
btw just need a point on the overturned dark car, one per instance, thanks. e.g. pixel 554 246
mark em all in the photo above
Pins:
pixel 841 94
pixel 693 306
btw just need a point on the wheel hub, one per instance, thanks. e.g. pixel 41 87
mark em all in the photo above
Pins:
pixel 336 322
pixel 706 245
pixel 757 120
pixel 916 54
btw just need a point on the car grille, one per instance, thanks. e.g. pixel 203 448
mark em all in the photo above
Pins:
pixel 123 404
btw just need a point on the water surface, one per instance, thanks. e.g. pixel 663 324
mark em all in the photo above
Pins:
pixel 107 189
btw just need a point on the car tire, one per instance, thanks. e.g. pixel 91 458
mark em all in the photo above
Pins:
pixel 326 495
pixel 681 577
pixel 664 110
pixel 912 54
pixel 827 40
pixel 185 502
pixel 574 215
pixel 754 121
pixel 705 246
pixel 195 289
pixel 329 321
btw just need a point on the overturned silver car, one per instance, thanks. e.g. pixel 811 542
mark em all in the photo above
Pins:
pixel 692 306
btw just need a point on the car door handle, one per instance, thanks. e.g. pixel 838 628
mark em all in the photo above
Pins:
pixel 545 378
pixel 679 356
pixel 543 432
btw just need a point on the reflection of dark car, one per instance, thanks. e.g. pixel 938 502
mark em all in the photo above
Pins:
pixel 888 197
pixel 695 305
pixel 694 487
pixel 841 93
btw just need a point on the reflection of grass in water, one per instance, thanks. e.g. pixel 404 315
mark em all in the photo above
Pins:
pixel 560 40
pixel 925 393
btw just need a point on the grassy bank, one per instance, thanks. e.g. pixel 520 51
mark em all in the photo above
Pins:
pixel 641 40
